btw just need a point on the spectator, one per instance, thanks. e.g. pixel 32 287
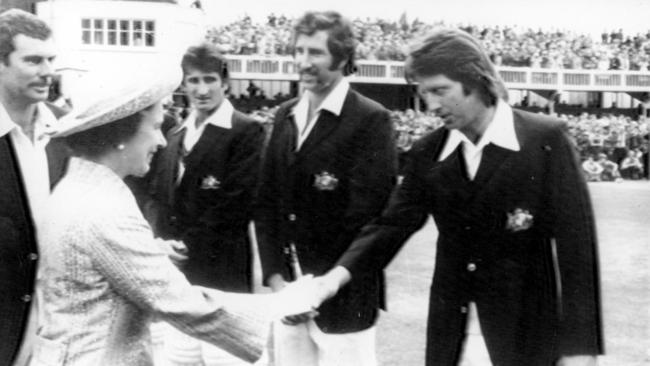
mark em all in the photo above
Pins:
pixel 383 39
pixel 592 169
pixel 610 169
pixel 631 167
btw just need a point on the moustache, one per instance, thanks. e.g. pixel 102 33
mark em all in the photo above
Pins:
pixel 308 71
pixel 43 83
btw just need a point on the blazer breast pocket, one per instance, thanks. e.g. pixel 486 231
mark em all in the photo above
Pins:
pixel 210 183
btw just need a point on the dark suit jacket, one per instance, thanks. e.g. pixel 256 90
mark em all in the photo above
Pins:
pixel 536 290
pixel 356 148
pixel 211 207
pixel 18 244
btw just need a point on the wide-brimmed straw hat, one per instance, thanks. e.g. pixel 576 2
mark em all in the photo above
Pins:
pixel 118 96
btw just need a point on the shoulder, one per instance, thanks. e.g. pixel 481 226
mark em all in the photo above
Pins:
pixel 244 122
pixel 538 123
pixel 430 142
pixel 285 108
pixel 363 104
pixel 541 130
pixel 242 118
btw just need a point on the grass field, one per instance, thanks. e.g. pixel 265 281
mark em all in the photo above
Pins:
pixel 623 221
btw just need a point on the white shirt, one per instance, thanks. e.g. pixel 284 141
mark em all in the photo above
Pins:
pixel 32 158
pixel 32 161
pixel 222 117
pixel 333 103
pixel 500 132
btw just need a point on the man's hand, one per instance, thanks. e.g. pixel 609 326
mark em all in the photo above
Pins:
pixel 297 299
pixel 579 360
pixel 330 283
pixel 322 288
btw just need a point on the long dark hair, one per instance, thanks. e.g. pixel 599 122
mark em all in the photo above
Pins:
pixel 460 57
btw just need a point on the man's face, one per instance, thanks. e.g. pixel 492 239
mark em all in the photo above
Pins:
pixel 314 61
pixel 205 90
pixel 446 98
pixel 28 72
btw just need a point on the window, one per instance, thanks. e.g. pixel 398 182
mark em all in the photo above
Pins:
pixel 118 32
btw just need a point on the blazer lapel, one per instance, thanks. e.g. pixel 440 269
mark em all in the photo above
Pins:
pixel 212 135
pixel 169 171
pixel 493 159
pixel 325 124
pixel 291 139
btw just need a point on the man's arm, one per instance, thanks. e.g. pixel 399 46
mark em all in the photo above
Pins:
pixel 379 242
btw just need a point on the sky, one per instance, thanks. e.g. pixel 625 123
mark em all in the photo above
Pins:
pixel 584 16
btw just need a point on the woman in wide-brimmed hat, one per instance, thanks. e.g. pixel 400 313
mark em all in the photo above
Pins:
pixel 103 276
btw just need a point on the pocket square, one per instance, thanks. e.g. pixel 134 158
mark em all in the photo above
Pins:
pixel 519 220
pixel 325 181
pixel 210 182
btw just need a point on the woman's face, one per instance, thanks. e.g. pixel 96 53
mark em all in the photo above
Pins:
pixel 140 149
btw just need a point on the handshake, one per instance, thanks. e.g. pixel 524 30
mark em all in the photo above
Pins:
pixel 299 300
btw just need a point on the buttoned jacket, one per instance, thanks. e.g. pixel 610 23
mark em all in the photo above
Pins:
pixel 518 240
pixel 18 248
pixel 318 197
pixel 210 207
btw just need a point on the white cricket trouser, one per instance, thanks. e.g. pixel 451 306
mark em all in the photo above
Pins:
pixel 307 345
pixel 475 351
pixel 179 349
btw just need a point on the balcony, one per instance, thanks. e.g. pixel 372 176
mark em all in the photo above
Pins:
pixel 256 67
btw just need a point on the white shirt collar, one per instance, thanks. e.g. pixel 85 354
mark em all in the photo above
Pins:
pixel 333 102
pixel 6 123
pixel 222 117
pixel 500 131
pixel 45 121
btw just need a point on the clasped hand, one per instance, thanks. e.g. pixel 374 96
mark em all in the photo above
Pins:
pixel 309 292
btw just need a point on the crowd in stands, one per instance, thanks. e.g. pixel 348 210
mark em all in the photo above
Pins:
pixel 611 146
pixel 381 39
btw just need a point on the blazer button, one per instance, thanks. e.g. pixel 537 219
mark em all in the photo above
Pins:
pixel 468 228
pixel 26 298
pixel 463 309
pixel 172 218
pixel 32 256
pixel 471 267
pixel 292 217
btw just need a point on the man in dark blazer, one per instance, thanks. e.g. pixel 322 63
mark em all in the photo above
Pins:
pixel 516 275
pixel 201 184
pixel 26 54
pixel 329 169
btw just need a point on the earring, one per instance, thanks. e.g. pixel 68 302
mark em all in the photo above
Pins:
pixel 120 147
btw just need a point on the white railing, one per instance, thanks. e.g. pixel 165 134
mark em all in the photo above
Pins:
pixel 255 67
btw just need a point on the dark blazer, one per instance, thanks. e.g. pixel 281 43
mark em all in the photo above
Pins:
pixel 18 249
pixel 211 207
pixel 320 196
pixel 536 290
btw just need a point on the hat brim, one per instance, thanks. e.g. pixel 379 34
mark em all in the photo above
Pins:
pixel 118 101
